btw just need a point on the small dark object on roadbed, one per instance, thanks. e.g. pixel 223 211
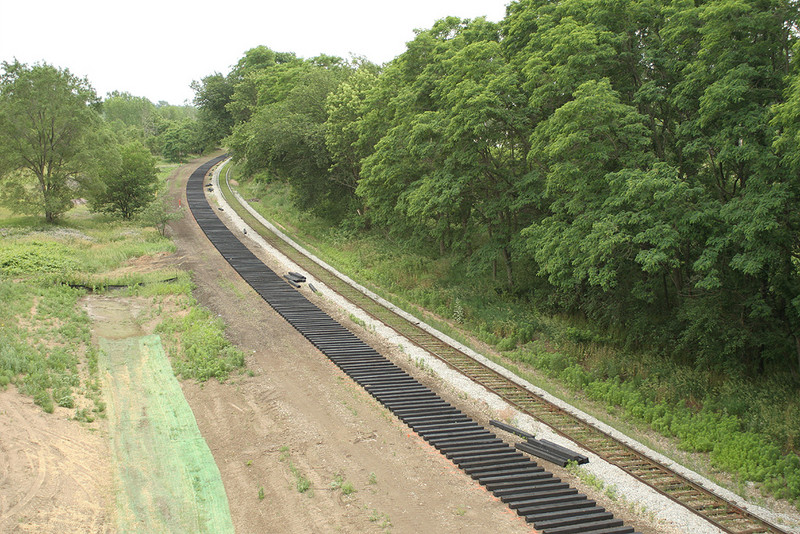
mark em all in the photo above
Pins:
pixel 547 450
pixel 295 281
pixel 296 277
pixel 513 430
pixel 542 448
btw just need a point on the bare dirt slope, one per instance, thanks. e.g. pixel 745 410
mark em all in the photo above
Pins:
pixel 300 421
pixel 54 473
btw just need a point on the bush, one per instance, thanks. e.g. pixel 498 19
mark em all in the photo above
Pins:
pixel 727 421
pixel 42 398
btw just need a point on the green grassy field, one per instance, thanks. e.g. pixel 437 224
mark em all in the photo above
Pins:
pixel 45 342
pixel 166 479
pixel 46 345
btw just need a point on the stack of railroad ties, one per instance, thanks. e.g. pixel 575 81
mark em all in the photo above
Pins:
pixel 295 279
pixel 542 448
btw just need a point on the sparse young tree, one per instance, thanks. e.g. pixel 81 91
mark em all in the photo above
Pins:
pixel 160 211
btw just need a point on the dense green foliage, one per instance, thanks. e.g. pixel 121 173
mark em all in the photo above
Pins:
pixel 632 163
pixel 747 425
pixel 167 130
pixel 618 175
pixel 47 119
pixel 128 182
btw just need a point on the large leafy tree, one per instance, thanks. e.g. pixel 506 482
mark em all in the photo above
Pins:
pixel 47 115
pixel 345 107
pixel 133 115
pixel 578 150
pixel 212 95
pixel 285 136
pixel 181 138
pixel 452 164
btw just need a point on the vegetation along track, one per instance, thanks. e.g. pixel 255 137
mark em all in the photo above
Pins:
pixel 718 511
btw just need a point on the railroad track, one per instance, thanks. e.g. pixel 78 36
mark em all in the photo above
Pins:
pixel 716 510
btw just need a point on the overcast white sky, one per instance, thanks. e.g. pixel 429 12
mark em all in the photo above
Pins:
pixel 156 48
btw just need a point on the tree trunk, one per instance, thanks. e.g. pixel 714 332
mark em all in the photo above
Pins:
pixel 507 261
pixel 49 216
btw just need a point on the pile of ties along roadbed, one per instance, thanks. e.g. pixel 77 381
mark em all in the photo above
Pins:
pixel 542 448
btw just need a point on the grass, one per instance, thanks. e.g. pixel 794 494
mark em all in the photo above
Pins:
pixel 199 348
pixel 381 519
pixel 339 483
pixel 749 428
pixel 301 483
pixel 590 479
pixel 45 342
pixel 359 322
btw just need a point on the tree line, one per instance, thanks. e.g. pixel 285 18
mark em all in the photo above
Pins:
pixel 59 141
pixel 634 163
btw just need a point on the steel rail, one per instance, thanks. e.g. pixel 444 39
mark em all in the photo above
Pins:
pixel 713 508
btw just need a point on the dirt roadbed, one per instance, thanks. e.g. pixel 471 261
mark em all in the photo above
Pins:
pixel 299 446
pixel 299 422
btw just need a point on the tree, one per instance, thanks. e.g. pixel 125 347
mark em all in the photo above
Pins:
pixel 284 137
pixel 579 149
pixel 46 117
pixel 128 184
pixel 181 138
pixel 160 211
pixel 212 95
pixel 135 112
pixel 634 163
pixel 345 107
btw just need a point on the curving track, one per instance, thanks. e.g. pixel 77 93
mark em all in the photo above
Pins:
pixel 544 500
pixel 449 430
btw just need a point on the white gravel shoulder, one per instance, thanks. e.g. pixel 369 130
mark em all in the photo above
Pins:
pixel 666 513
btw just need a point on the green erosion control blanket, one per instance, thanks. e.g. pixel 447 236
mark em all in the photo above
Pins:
pixel 166 478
